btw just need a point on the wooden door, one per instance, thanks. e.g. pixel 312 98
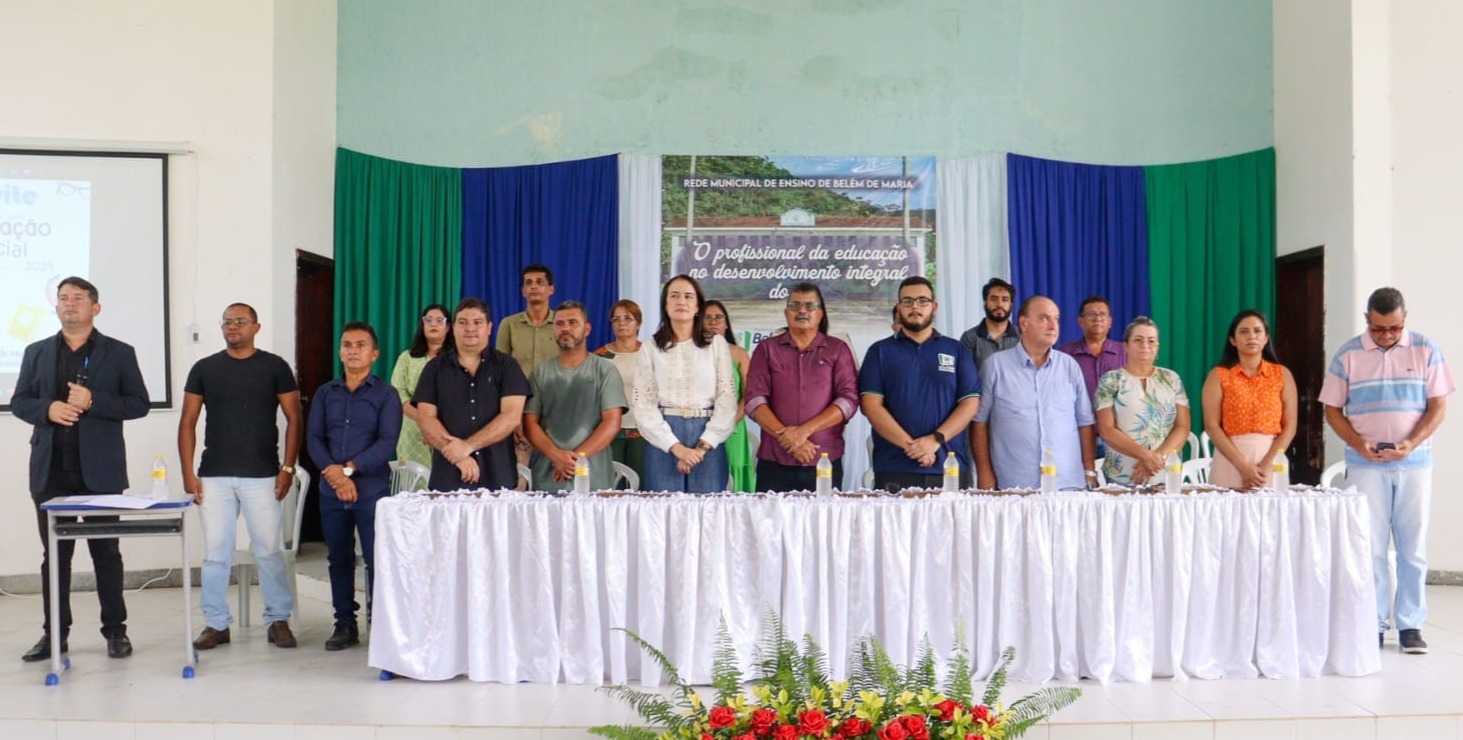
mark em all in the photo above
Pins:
pixel 315 353
pixel 1300 322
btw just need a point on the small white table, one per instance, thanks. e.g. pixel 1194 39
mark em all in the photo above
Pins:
pixel 158 519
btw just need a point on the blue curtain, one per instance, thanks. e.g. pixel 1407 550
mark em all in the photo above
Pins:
pixel 1079 230
pixel 564 215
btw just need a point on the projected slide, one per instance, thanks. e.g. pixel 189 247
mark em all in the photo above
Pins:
pixel 45 235
pixel 101 216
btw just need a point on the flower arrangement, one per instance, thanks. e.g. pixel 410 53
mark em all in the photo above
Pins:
pixel 791 697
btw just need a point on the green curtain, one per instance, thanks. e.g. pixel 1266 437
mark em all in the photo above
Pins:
pixel 1211 236
pixel 398 246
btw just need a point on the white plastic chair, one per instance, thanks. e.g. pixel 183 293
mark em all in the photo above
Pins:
pixel 408 476
pixel 1197 470
pixel 1194 449
pixel 293 510
pixel 1101 476
pixel 1336 470
pixel 1206 445
pixel 525 478
pixel 624 473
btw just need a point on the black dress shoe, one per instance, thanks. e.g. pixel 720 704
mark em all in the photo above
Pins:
pixel 42 650
pixel 344 636
pixel 119 647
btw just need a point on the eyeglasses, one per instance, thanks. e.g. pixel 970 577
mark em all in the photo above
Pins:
pixel 226 323
pixel 921 301
pixel 803 305
pixel 622 319
pixel 714 317
pixel 434 320
pixel 1386 329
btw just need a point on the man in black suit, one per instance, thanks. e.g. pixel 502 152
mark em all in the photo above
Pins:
pixel 76 389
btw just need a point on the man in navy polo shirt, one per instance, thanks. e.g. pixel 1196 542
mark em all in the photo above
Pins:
pixel 920 390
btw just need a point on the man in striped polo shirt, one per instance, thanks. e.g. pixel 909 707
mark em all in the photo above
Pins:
pixel 1385 394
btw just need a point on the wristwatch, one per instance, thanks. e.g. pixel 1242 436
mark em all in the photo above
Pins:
pixel 287 469
pixel 349 469
pixel 938 437
pixel 703 445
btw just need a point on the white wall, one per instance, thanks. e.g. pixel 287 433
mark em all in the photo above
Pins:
pixel 253 90
pixel 1427 116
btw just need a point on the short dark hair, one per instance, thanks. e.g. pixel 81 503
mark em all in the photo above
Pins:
pixel 1089 300
pixel 361 326
pixel 729 335
pixel 1382 301
pixel 995 282
pixel 631 307
pixel 572 305
pixel 917 280
pixel 80 283
pixel 419 346
pixel 470 303
pixel 525 272
pixel 253 315
pixel 813 288
pixel 1026 304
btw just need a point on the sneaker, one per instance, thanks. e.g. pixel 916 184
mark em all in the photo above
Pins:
pixel 1412 642
pixel 280 634
pixel 345 635
pixel 211 638
pixel 119 647
pixel 42 650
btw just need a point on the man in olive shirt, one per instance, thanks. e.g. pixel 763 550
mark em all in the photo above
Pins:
pixel 529 336
pixel 575 406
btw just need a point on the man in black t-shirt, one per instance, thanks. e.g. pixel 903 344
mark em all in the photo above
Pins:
pixel 241 387
pixel 469 401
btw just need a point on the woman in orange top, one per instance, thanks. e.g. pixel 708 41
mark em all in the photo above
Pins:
pixel 1249 406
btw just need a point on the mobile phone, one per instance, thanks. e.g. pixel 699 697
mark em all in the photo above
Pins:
pixel 1385 446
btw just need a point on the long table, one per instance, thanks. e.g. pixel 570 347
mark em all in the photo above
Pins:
pixel 516 587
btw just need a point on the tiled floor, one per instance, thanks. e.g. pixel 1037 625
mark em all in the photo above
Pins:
pixel 250 689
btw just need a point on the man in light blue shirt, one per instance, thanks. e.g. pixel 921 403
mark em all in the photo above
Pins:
pixel 1035 400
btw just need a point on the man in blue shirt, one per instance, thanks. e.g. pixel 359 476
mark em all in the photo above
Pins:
pixel 1036 401
pixel 354 423
pixel 920 390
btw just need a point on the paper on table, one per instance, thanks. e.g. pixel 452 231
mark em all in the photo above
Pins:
pixel 106 501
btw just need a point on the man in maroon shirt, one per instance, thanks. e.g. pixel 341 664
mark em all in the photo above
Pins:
pixel 802 389
pixel 1094 352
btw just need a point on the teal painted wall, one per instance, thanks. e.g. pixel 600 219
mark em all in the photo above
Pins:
pixel 494 82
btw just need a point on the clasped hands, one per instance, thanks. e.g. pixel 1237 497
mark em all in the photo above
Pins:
pixel 345 488
pixel 459 453
pixel 794 439
pixel 923 450
pixel 67 413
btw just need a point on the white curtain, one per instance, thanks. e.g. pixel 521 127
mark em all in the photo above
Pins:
pixel 973 245
pixel 640 235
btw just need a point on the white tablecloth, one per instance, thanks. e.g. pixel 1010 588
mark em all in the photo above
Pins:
pixel 517 587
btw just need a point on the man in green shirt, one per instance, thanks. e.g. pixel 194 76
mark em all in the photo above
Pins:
pixel 529 336
pixel 575 407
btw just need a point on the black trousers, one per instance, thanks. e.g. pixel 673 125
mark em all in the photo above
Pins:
pixel 106 556
pixel 773 476
pixel 896 482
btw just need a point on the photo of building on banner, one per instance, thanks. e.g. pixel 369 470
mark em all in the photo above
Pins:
pixel 749 228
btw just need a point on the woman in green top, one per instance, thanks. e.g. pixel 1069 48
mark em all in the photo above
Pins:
pixel 1142 410
pixel 739 457
pixel 434 332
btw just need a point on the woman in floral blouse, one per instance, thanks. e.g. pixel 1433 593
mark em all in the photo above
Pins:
pixel 1142 410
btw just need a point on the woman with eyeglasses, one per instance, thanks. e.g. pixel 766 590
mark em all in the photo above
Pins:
pixel 434 332
pixel 1249 406
pixel 1142 410
pixel 625 318
pixel 738 445
pixel 685 399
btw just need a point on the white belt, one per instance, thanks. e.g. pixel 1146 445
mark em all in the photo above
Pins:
pixel 686 413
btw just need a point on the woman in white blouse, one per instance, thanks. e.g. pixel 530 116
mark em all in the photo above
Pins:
pixel 685 399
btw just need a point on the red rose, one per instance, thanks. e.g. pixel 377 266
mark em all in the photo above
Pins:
pixel 982 713
pixel 813 722
pixel 762 721
pixel 893 731
pixel 723 717
pixel 853 727
pixel 747 736
pixel 975 737
pixel 947 709
pixel 916 726
pixel 785 732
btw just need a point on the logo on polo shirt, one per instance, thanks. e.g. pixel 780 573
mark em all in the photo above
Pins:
pixel 947 363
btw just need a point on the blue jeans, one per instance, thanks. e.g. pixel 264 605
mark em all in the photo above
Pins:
pixel 223 499
pixel 660 466
pixel 1399 500
pixel 337 519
